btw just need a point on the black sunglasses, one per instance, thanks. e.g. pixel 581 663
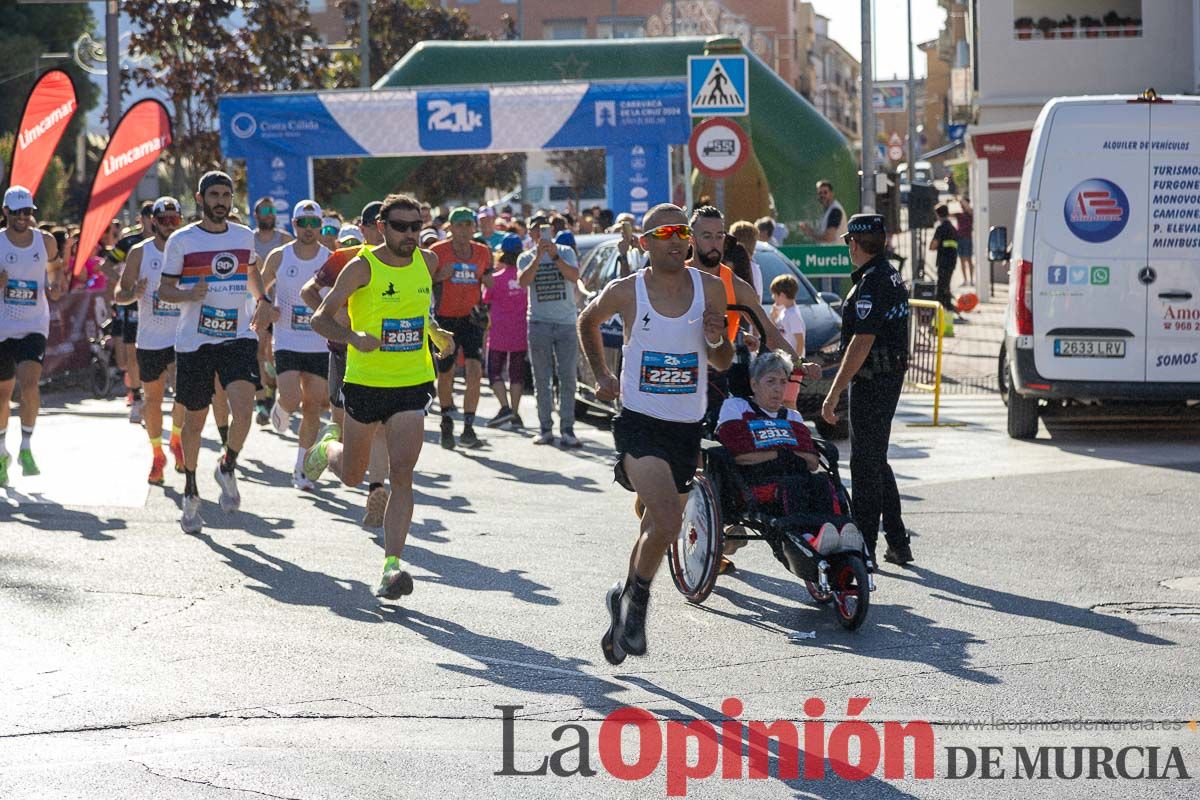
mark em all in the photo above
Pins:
pixel 400 226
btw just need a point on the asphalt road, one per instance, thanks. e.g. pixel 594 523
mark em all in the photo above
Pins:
pixel 253 660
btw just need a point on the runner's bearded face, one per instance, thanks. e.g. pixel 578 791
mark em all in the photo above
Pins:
pixel 166 224
pixel 708 241
pixel 400 232
pixel 215 202
pixel 265 216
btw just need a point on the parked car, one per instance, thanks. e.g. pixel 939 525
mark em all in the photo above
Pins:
pixel 1105 306
pixel 822 341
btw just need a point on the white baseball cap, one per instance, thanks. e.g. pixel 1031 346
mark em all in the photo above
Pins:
pixel 18 197
pixel 165 204
pixel 307 208
pixel 350 233
pixel 331 222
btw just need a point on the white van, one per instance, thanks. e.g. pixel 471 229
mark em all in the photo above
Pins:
pixel 1105 300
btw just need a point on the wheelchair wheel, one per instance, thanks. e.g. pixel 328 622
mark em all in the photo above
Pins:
pixel 819 597
pixel 100 377
pixel 851 597
pixel 696 552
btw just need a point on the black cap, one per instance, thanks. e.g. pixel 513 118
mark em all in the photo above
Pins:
pixel 214 178
pixel 370 212
pixel 865 223
pixel 538 219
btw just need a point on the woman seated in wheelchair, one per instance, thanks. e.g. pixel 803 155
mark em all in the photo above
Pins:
pixel 774 454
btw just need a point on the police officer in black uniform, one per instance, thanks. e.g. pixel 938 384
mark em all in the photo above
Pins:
pixel 874 358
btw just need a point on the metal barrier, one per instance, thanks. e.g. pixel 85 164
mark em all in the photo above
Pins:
pixel 926 325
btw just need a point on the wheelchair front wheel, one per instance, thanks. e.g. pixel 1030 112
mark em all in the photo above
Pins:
pixel 696 552
pixel 819 597
pixel 849 584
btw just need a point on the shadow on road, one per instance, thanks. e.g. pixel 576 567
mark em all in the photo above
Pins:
pixel 472 575
pixel 289 583
pixel 943 587
pixel 53 517
pixel 536 477
pixel 510 663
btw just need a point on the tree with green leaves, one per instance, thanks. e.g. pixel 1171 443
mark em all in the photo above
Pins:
pixel 199 51
pixel 27 32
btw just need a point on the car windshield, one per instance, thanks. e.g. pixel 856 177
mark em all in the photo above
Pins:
pixel 773 264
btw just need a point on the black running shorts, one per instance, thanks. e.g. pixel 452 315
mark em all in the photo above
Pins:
pixel 467 337
pixel 293 361
pixel 370 404
pixel 152 364
pixel 227 362
pixel 677 443
pixel 14 351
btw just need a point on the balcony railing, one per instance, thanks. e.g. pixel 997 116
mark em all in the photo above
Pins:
pixel 1075 30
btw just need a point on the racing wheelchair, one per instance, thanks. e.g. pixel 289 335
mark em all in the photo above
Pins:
pixel 723 506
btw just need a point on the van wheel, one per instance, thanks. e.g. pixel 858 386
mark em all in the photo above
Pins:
pixel 1022 416
pixel 1002 376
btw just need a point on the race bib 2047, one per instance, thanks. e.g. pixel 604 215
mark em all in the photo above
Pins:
pixel 670 373
pixel 219 322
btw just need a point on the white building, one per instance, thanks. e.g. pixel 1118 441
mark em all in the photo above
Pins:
pixel 1074 47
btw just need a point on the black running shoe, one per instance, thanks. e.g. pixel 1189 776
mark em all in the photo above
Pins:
pixel 633 626
pixel 447 433
pixel 469 439
pixel 612 650
pixel 899 554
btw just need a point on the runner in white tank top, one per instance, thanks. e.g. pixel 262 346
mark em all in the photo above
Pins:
pixel 301 355
pixel 158 321
pixel 29 277
pixel 664 368
pixel 674 321
pixel 294 330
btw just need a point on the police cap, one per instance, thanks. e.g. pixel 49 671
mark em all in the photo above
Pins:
pixel 865 223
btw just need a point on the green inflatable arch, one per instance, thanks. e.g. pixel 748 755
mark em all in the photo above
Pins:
pixel 795 144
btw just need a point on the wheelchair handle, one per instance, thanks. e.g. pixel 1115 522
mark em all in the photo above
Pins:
pixel 749 314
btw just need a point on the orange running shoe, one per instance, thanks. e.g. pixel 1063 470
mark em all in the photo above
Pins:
pixel 177 454
pixel 156 470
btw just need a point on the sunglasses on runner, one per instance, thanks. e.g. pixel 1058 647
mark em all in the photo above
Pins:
pixel 330 230
pixel 664 232
pixel 266 211
pixel 308 222
pixel 21 212
pixel 400 226
pixel 168 219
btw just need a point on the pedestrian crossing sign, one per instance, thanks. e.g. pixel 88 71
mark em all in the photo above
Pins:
pixel 718 86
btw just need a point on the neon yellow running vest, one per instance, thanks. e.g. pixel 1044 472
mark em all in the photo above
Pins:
pixel 394 307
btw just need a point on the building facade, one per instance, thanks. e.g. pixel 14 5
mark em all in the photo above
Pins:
pixel 836 82
pixel 1027 51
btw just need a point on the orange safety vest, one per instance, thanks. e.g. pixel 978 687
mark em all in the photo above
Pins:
pixel 733 318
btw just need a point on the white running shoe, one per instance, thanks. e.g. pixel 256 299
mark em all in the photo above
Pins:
pixel 231 498
pixel 546 437
pixel 302 483
pixel 191 521
pixel 135 411
pixel 280 419
pixel 852 538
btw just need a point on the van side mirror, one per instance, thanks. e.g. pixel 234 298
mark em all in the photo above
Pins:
pixel 998 249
